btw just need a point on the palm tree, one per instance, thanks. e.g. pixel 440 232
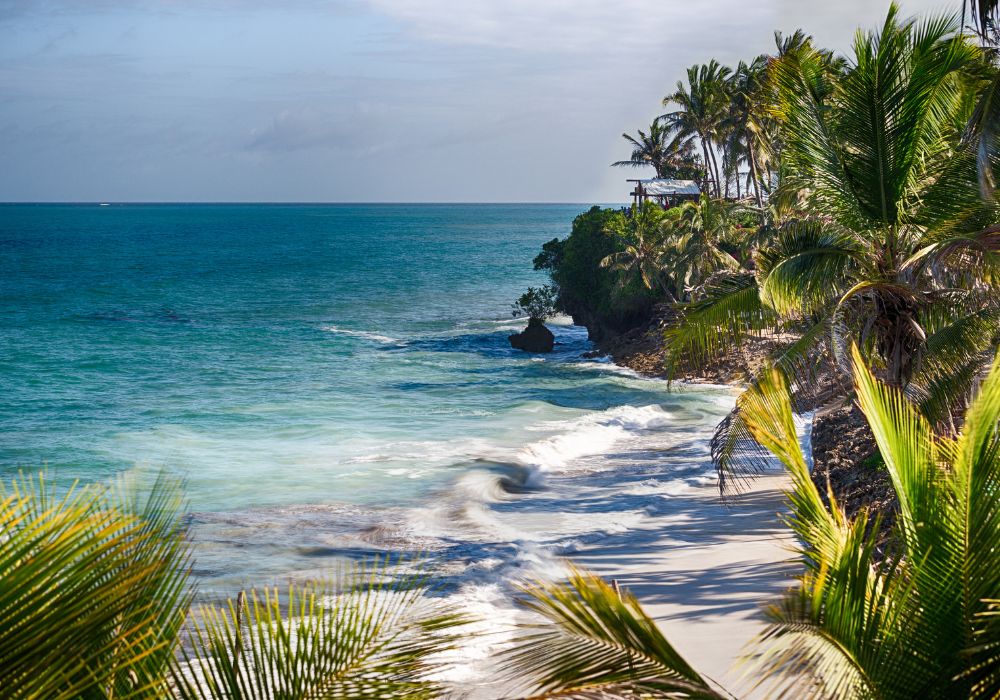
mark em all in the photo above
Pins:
pixel 983 130
pixel 696 242
pixel 639 235
pixel 887 198
pixel 670 153
pixel 746 125
pixel 985 14
pixel 702 105
pixel 923 623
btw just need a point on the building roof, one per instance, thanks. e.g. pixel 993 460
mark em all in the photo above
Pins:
pixel 666 186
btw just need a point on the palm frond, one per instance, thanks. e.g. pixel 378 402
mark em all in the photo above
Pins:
pixel 950 526
pixel 955 357
pixel 806 267
pixel 984 654
pixel 369 634
pixel 974 483
pixel 835 635
pixel 736 454
pixel 727 310
pixel 92 589
pixel 598 643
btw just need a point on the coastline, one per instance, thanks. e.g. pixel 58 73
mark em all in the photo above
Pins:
pixel 705 571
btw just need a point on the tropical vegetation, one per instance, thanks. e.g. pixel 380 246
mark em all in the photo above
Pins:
pixel 95 602
pixel 919 624
pixel 858 217
pixel 536 303
pixel 670 154
pixel 848 212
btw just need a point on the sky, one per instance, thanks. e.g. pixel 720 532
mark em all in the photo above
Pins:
pixel 361 100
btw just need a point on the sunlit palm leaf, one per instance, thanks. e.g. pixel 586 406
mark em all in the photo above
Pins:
pixel 918 626
pixel 92 590
pixel 728 310
pixel 598 643
pixel 375 638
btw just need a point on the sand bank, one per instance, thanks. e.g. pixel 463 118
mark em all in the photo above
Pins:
pixel 703 572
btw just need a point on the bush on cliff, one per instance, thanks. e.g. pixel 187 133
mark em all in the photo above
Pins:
pixel 592 294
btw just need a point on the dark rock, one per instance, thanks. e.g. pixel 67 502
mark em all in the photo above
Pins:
pixel 535 338
pixel 591 354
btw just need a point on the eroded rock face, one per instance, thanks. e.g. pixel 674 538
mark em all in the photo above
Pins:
pixel 535 338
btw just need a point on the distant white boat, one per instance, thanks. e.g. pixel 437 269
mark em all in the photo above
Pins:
pixel 105 204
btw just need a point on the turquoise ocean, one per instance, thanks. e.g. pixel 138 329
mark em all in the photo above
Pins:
pixel 331 381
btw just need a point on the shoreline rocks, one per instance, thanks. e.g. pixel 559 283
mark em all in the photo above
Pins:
pixel 535 338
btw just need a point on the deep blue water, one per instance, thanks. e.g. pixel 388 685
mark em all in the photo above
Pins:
pixel 310 369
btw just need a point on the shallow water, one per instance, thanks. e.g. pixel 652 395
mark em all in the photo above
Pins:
pixel 333 382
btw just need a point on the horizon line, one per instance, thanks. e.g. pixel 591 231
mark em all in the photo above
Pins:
pixel 288 202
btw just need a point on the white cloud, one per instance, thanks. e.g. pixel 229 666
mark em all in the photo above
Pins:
pixel 632 26
pixel 510 100
pixel 556 25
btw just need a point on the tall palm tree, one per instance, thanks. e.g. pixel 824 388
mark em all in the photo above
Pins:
pixel 746 120
pixel 886 196
pixel 986 15
pixel 667 151
pixel 921 624
pixel 701 111
pixel 983 130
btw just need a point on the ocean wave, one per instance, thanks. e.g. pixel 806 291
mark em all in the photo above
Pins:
pixel 425 451
pixel 592 434
pixel 367 335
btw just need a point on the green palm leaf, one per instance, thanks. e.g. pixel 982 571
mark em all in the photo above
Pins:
pixel 918 626
pixel 370 635
pixel 598 643
pixel 92 590
pixel 728 309
pixel 808 264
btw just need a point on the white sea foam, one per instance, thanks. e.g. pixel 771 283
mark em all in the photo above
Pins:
pixel 361 334
pixel 422 452
pixel 592 434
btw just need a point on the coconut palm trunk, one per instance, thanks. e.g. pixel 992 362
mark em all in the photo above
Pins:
pixel 752 158
pixel 715 167
pixel 708 166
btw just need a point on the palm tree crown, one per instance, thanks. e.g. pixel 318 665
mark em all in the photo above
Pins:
pixel 667 151
pixel 701 107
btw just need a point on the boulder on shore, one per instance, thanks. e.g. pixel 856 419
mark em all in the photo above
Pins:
pixel 535 338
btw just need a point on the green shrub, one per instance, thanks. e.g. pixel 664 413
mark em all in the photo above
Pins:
pixel 537 304
pixel 586 291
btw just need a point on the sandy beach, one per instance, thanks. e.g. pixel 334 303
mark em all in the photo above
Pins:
pixel 703 572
